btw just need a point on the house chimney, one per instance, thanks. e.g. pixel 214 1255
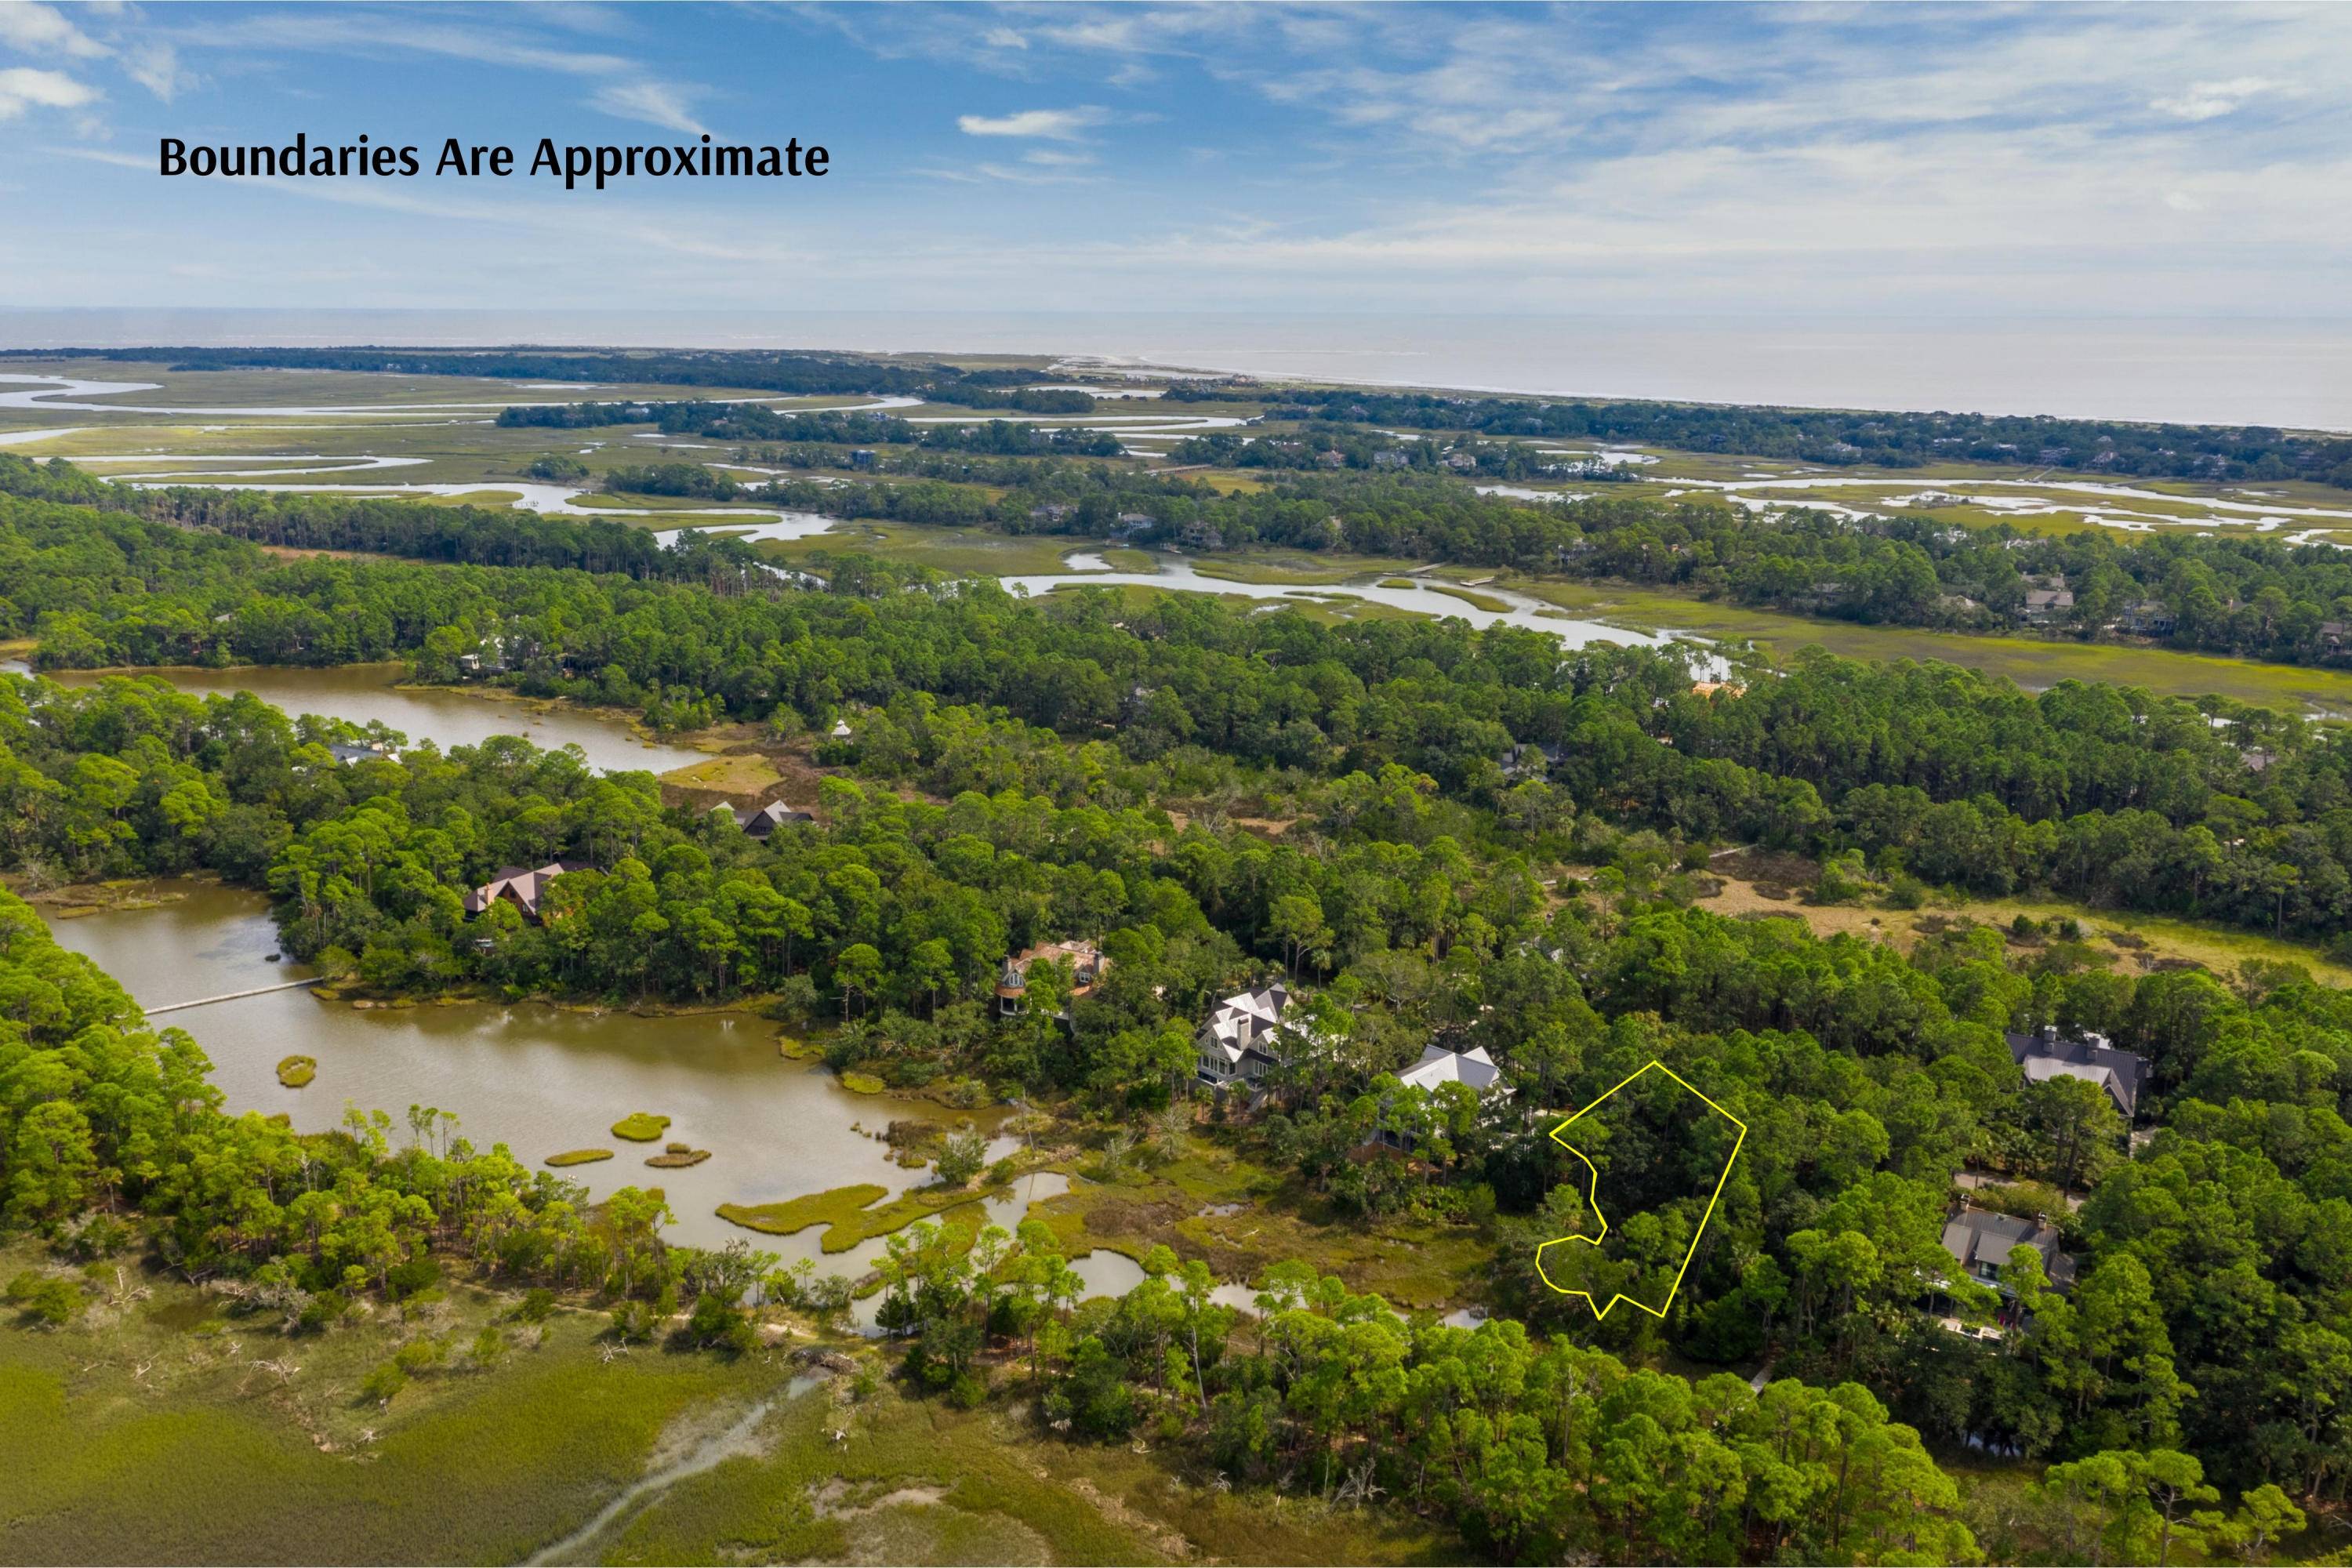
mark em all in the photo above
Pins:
pixel 2049 1032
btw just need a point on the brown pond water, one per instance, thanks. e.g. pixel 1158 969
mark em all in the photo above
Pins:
pixel 537 1079
pixel 362 693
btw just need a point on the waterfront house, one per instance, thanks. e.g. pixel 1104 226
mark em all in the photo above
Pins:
pixel 521 887
pixel 1087 966
pixel 1474 1070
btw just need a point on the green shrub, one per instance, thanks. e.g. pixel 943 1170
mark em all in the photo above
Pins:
pixel 321 1313
pixel 406 1280
pixel 382 1384
pixel 969 1391
pixel 420 1355
pixel 535 1304
pixel 46 1298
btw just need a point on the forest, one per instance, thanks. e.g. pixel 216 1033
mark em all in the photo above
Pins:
pixel 1016 772
pixel 1837 436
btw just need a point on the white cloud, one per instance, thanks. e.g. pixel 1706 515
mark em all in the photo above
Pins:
pixel 155 65
pixel 1055 124
pixel 23 88
pixel 2213 99
pixel 655 102
pixel 1004 38
pixel 36 28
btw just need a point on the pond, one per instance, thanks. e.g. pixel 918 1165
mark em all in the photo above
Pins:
pixel 364 693
pixel 538 1078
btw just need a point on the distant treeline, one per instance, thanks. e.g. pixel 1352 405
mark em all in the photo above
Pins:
pixel 752 422
pixel 463 535
pixel 766 370
pixel 1843 437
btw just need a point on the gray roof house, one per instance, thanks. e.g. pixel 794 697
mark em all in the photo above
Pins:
pixel 2043 1056
pixel 1240 1039
pixel 1981 1242
pixel 760 821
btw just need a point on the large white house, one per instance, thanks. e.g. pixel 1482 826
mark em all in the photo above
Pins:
pixel 1474 1070
pixel 1240 1041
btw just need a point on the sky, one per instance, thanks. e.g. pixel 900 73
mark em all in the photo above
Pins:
pixel 1614 160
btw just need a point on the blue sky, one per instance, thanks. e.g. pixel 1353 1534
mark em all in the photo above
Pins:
pixel 1623 160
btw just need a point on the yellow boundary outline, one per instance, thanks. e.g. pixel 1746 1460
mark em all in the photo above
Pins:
pixel 1593 1197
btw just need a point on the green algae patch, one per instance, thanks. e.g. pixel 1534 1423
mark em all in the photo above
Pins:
pixel 579 1156
pixel 849 1215
pixel 862 1083
pixel 296 1071
pixel 640 1127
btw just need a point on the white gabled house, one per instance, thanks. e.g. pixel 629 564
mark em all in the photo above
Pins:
pixel 1241 1041
pixel 1474 1070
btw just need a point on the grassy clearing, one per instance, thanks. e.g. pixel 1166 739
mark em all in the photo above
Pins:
pixel 295 1072
pixel 957 552
pixel 579 1156
pixel 641 1127
pixel 2146 937
pixel 1273 1217
pixel 747 773
pixel 2032 662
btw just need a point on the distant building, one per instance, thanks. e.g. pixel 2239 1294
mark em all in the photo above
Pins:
pixel 841 730
pixel 1051 512
pixel 1240 1041
pixel 2043 1056
pixel 1460 462
pixel 1711 688
pixel 1087 966
pixel 760 821
pixel 522 888
pixel 347 755
pixel 1980 1241
pixel 1529 760
pixel 863 457
pixel 1200 535
pixel 1391 460
pixel 1331 457
pixel 2149 618
pixel 2045 604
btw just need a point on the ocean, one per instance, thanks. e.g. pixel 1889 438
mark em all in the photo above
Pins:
pixel 2290 373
